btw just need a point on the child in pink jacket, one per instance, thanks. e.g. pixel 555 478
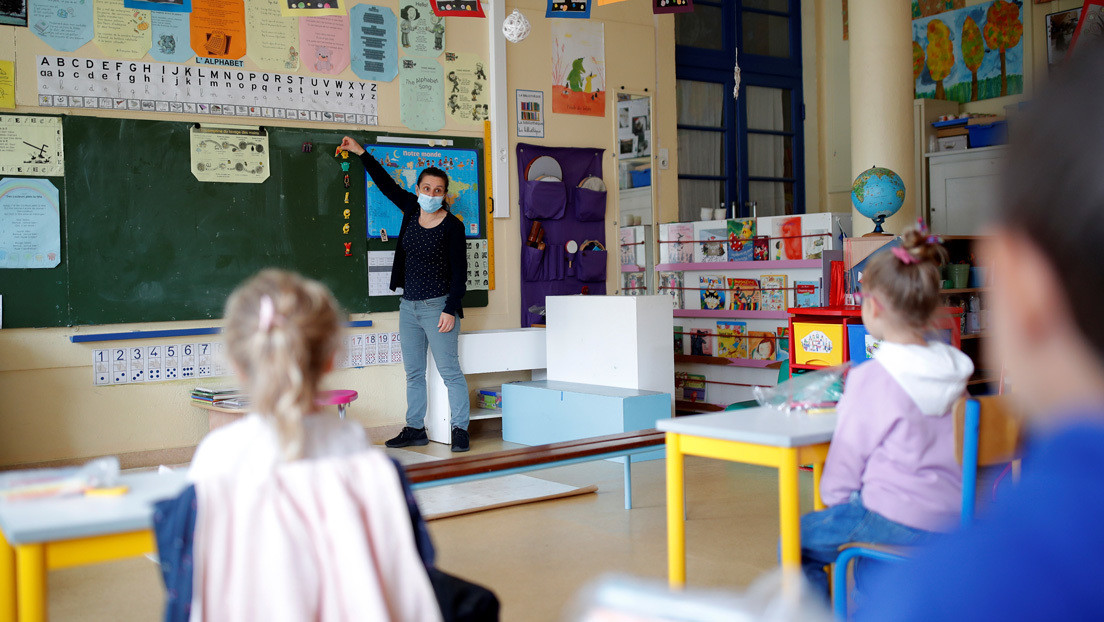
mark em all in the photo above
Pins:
pixel 891 476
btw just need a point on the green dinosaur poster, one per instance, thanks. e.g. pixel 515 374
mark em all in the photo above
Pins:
pixel 578 68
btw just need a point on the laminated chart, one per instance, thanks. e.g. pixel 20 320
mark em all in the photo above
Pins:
pixel 404 163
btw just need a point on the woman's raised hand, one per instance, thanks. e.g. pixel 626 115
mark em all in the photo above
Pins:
pixel 348 144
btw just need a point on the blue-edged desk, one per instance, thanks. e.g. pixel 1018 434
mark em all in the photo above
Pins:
pixel 48 534
pixel 761 436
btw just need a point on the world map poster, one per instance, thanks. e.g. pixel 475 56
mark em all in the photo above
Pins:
pixel 404 163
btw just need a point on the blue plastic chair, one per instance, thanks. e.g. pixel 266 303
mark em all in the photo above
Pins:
pixel 1002 434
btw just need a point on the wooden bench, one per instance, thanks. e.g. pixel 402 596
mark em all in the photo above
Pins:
pixel 524 459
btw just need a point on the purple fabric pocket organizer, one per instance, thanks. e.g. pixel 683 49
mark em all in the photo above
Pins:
pixel 544 200
pixel 590 205
pixel 590 266
pixel 566 212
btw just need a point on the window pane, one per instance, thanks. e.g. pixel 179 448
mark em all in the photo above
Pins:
pixel 700 153
pixel 703 28
pixel 771 198
pixel 695 194
pixel 768 156
pixel 700 103
pixel 766 35
pixel 768 108
pixel 782 6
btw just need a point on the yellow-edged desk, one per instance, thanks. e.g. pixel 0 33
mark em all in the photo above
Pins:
pixel 761 436
pixel 40 535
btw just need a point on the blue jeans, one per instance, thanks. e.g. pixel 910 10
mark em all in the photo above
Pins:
pixel 823 532
pixel 418 333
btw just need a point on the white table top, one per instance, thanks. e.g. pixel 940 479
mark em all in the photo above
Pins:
pixel 62 518
pixel 762 426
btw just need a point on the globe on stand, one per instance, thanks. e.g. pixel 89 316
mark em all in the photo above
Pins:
pixel 878 193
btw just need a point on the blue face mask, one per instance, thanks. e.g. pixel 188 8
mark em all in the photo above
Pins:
pixel 430 204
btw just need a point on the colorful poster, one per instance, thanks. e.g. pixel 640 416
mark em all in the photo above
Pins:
pixel 64 25
pixel 272 39
pixel 568 8
pixel 170 34
pixel 458 8
pixel 31 145
pixel 422 94
pixel 466 94
pixel 672 6
pixel 164 6
pixel 404 163
pixel 229 154
pixel 373 37
pixel 30 224
pixel 970 54
pixel 927 8
pixel 312 8
pixel 605 2
pixel 530 113
pixel 421 33
pixel 121 32
pixel 165 88
pixel 325 43
pixel 7 84
pixel 14 13
pixel 218 28
pixel 633 127
pixel 578 68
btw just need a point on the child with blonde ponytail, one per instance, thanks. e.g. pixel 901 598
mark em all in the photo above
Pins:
pixel 282 334
pixel 891 475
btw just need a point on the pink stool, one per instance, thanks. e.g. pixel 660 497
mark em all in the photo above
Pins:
pixel 340 397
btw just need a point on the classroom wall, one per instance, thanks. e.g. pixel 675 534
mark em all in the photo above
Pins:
pixel 49 408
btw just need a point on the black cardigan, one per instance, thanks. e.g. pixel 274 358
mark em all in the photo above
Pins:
pixel 456 248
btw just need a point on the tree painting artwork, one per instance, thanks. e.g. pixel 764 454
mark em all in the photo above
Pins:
pixel 578 68
pixel 970 54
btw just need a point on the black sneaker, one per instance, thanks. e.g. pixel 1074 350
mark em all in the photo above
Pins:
pixel 459 440
pixel 410 436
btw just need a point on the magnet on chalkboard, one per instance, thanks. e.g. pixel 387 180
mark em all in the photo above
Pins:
pixel 346 180
pixel 383 235
pixel 344 155
pixel 348 249
pixel 347 211
pixel 346 200
pixel 345 166
pixel 345 228
pixel 308 146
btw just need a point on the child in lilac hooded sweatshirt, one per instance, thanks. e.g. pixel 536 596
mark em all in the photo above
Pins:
pixel 891 476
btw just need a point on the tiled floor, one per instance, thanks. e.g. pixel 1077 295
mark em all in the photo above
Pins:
pixel 536 557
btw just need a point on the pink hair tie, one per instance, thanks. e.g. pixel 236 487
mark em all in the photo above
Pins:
pixel 905 257
pixel 267 313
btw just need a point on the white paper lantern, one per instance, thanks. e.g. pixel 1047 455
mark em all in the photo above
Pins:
pixel 515 27
pixel 736 76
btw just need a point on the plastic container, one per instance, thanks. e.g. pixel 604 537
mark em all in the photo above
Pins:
pixel 988 134
pixel 641 178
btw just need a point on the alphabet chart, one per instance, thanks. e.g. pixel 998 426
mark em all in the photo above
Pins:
pixel 137 364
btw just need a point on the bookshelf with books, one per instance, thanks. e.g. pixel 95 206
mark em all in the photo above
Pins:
pixel 731 317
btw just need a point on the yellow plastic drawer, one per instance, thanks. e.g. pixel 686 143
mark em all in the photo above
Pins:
pixel 817 343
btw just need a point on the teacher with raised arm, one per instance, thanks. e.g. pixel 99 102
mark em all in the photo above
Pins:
pixel 431 266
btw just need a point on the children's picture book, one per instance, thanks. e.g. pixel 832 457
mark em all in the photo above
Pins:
pixel 632 284
pixel 670 283
pixel 761 345
pixel 761 250
pixel 693 388
pixel 701 342
pixel 732 339
pixel 628 246
pixel 711 239
pixel 680 348
pixel 785 236
pixel 783 342
pixel 744 294
pixel 823 232
pixel 774 294
pixel 806 294
pixel 712 289
pixel 741 239
pixel 675 242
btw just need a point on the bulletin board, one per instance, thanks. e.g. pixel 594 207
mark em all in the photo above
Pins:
pixel 144 241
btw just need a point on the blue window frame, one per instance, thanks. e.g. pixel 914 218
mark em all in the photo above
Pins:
pixel 748 150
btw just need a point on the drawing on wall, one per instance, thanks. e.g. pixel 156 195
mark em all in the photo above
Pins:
pixel 568 8
pixel 298 8
pixel 421 33
pixel 578 68
pixel 324 42
pixel 927 8
pixel 1060 27
pixel 970 54
pixel 170 33
pixel 13 13
pixel 458 8
pixel 466 94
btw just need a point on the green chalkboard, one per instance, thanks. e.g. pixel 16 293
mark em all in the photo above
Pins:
pixel 144 241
